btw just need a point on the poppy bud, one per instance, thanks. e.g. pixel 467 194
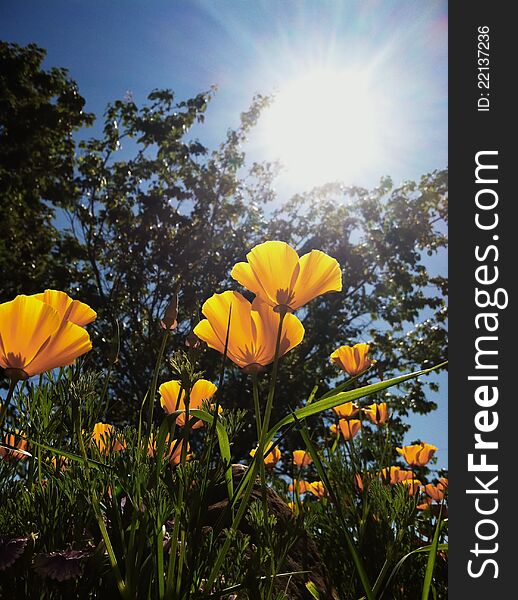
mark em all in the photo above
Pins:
pixel 171 314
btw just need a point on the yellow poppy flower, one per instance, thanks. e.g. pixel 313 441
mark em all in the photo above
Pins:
pixel 301 458
pixel 103 436
pixel 349 428
pixel 348 410
pixel 171 399
pixel 352 359
pixel 317 488
pixel 34 338
pixel 14 442
pixel 253 330
pixel 272 458
pixel 417 455
pixel 377 413
pixel 69 310
pixel 276 274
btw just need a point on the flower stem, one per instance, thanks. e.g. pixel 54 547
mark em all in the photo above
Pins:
pixel 5 405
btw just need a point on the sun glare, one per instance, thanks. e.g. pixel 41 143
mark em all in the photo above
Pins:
pixel 328 125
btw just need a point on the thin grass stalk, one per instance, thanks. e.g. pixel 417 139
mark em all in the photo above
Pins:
pixel 154 381
pixel 121 586
pixel 358 563
pixel 430 565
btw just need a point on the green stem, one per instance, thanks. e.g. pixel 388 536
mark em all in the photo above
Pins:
pixel 5 405
pixel 154 382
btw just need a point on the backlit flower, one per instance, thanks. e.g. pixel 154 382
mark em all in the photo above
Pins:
pixel 172 398
pixel 69 310
pixel 276 274
pixel 301 458
pixel 352 359
pixel 395 475
pixel 418 455
pixel 272 458
pixel 253 330
pixel 412 485
pixel 34 338
pixel 346 411
pixel 377 413
pixel 349 428
pixel 300 486
pixel 103 436
pixel 14 442
pixel 173 449
pixel 317 488
pixel 435 492
pixel 425 504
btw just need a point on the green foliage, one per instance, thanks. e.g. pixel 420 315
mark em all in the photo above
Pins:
pixel 39 113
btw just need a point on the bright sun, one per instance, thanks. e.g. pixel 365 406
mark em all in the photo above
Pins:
pixel 328 125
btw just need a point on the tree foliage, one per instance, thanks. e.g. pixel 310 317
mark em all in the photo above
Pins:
pixel 144 210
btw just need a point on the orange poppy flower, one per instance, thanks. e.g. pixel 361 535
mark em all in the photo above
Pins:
pixel 34 338
pixel 395 475
pixel 349 428
pixel 377 413
pixel 425 504
pixel 358 482
pixel 412 485
pixel 417 455
pixel 69 310
pixel 352 359
pixel 14 441
pixel 172 398
pixel 435 492
pixel 301 458
pixel 174 453
pixel 103 436
pixel 346 411
pixel 443 483
pixel 275 273
pixel 272 458
pixel 253 330
pixel 317 488
pixel 301 486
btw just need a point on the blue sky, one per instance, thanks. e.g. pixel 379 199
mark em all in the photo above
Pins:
pixel 249 46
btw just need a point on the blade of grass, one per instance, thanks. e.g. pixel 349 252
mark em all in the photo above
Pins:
pixel 342 397
pixel 400 563
pixel 430 565
pixel 358 563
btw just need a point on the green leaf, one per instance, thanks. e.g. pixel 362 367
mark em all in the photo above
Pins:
pixel 328 402
pixel 224 445
pixel 312 589
pixel 431 559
